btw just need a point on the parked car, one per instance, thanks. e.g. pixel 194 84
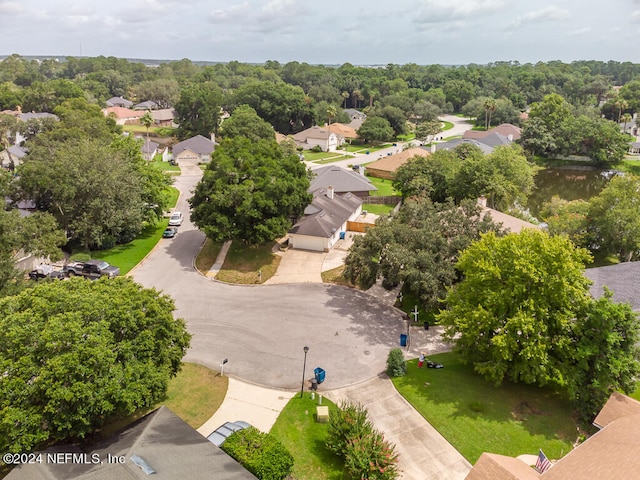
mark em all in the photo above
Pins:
pixel 221 433
pixel 176 219
pixel 170 232
pixel 44 270
pixel 92 269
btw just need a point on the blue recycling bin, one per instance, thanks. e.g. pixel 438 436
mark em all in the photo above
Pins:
pixel 319 373
pixel 343 235
pixel 403 339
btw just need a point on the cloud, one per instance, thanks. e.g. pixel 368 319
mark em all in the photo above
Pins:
pixel 10 8
pixel 235 13
pixel 579 31
pixel 436 11
pixel 549 13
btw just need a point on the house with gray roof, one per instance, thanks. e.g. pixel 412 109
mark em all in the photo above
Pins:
pixel 196 148
pixel 119 102
pixel 623 279
pixel 159 445
pixel 451 144
pixel 149 149
pixel 342 181
pixel 12 157
pixel 148 105
pixel 324 220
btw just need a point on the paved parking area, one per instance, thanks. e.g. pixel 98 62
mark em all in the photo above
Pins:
pixel 298 266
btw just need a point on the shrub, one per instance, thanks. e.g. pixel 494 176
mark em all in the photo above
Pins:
pixel 316 149
pixel 260 453
pixel 371 457
pixel 346 422
pixel 396 366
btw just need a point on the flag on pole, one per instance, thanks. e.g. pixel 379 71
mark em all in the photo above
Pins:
pixel 542 464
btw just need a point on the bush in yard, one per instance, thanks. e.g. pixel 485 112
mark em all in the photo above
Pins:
pixel 260 453
pixel 396 366
pixel 346 422
pixel 371 457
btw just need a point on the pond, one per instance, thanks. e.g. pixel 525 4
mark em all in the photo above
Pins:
pixel 569 183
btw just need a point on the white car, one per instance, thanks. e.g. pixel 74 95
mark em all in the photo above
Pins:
pixel 176 219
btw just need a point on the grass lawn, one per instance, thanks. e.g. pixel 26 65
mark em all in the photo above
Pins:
pixel 363 148
pixel 163 166
pixel 207 256
pixel 629 166
pixel 385 187
pixel 194 395
pixel 334 159
pixel 378 208
pixel 407 137
pixel 243 263
pixel 128 255
pixel 409 301
pixel 446 126
pixel 298 430
pixel 475 416
pixel 335 276
pixel 313 156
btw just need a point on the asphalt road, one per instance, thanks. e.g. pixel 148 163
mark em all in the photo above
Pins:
pixel 262 330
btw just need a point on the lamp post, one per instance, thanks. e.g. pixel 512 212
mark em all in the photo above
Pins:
pixel 304 366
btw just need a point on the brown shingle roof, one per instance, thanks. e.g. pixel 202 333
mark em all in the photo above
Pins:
pixel 392 162
pixel 499 467
pixel 121 112
pixel 344 130
pixel 617 406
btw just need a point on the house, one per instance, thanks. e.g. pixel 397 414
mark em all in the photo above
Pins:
pixel 119 102
pixel 325 219
pixel 123 116
pixel 149 149
pixel 159 445
pixel 196 148
pixel 613 452
pixel 355 114
pixel 451 144
pixel 634 148
pixel 342 180
pixel 163 117
pixel 623 279
pixel 343 130
pixel 386 167
pixel 14 154
pixel 508 130
pixel 510 224
pixel 325 138
pixel 148 105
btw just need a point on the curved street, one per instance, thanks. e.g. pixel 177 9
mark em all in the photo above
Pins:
pixel 262 330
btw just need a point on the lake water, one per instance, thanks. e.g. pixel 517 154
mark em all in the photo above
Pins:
pixel 569 183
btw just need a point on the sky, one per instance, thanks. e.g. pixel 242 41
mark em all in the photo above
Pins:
pixel 331 32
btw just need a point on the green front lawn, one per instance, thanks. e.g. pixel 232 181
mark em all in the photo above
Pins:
pixel 243 263
pixel 297 429
pixel 378 208
pixel 334 159
pixel 313 156
pixel 475 416
pixel 446 126
pixel 385 187
pixel 362 148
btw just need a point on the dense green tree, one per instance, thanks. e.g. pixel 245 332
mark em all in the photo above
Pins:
pixel 198 110
pixel 418 246
pixel 553 110
pixel 569 218
pixel 425 131
pixel 10 96
pixel 375 129
pixel 45 96
pixel 615 223
pixel 394 116
pixel 250 192
pixel 605 355
pixel 245 122
pixel 511 315
pixel 458 92
pixel 87 351
pixel 165 92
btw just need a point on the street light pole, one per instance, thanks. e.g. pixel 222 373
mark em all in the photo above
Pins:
pixel 304 366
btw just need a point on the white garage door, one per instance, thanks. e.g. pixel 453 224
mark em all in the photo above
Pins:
pixel 306 242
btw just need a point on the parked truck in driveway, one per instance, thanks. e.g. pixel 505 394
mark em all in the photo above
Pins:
pixel 92 269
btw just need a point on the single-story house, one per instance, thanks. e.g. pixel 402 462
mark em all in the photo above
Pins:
pixel 148 105
pixel 159 445
pixel 196 148
pixel 355 114
pixel 386 167
pixel 623 279
pixel 509 223
pixel 634 148
pixel 149 149
pixel 343 130
pixel 163 117
pixel 14 153
pixel 324 220
pixel 119 102
pixel 510 131
pixel 325 138
pixel 342 181
pixel 451 144
pixel 123 116
pixel 611 453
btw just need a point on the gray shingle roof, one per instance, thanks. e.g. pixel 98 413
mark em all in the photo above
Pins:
pixel 31 115
pixel 198 144
pixel 149 146
pixel 324 215
pixel 165 442
pixel 340 179
pixel 119 102
pixel 451 144
pixel 623 279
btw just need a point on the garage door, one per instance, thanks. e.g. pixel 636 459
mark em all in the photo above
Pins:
pixel 306 242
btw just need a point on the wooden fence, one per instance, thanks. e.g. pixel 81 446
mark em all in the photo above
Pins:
pixel 388 200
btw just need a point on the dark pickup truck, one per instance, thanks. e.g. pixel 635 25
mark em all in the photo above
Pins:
pixel 91 269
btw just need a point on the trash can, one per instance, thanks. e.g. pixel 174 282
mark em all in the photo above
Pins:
pixel 343 235
pixel 319 374
pixel 314 384
pixel 403 340
pixel 426 325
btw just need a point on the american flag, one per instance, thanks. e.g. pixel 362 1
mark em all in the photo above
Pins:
pixel 542 464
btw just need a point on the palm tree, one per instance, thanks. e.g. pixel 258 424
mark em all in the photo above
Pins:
pixel 147 121
pixel 345 97
pixel 626 118
pixel 621 105
pixel 490 106
pixel 357 98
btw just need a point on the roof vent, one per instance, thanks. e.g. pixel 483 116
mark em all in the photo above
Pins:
pixel 142 464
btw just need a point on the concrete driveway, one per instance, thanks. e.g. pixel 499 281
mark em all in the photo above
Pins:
pixel 298 266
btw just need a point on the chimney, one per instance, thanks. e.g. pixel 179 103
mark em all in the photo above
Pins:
pixel 510 137
pixel 433 147
pixel 330 192
pixel 213 137
pixel 482 201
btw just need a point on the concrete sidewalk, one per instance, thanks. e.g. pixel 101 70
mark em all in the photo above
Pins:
pixel 217 265
pixel 424 454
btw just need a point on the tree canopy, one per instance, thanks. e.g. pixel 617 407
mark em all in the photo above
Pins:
pixel 198 110
pixel 74 353
pixel 245 122
pixel 250 191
